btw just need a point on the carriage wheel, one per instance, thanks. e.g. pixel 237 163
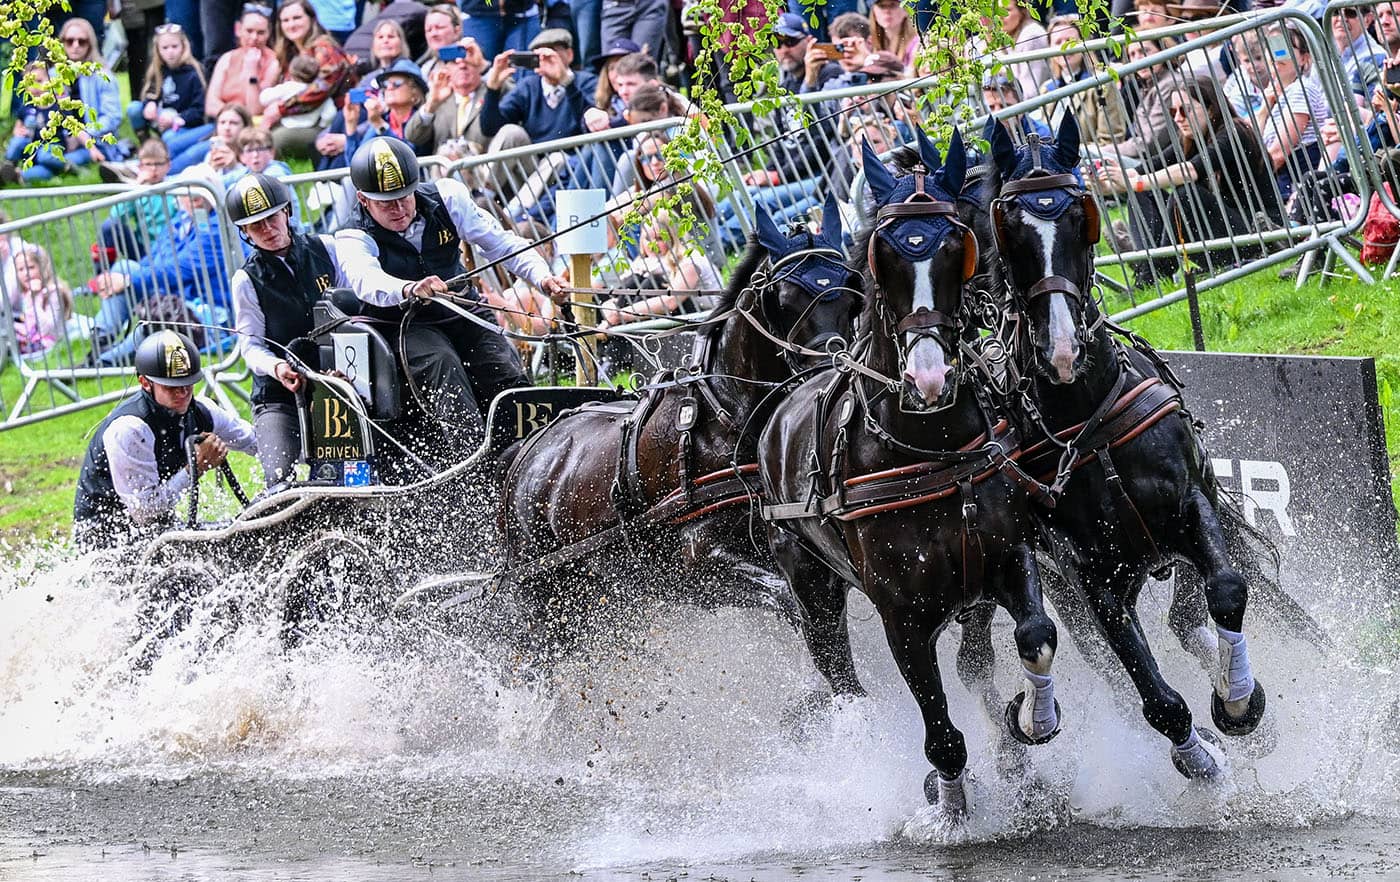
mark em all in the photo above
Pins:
pixel 167 608
pixel 335 576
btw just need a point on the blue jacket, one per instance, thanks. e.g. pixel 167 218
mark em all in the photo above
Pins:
pixel 189 261
pixel 99 92
pixel 525 106
pixel 182 90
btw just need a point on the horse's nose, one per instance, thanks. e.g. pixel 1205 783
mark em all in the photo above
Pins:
pixel 927 370
pixel 1063 358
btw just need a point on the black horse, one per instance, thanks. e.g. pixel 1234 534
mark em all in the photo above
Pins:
pixel 889 475
pixel 621 497
pixel 1106 428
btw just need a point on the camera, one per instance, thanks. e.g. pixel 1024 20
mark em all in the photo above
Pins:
pixel 357 96
pixel 451 53
pixel 527 60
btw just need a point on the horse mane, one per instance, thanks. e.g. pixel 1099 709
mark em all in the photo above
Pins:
pixel 858 264
pixel 742 276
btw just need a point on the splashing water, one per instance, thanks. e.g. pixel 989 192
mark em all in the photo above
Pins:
pixel 407 742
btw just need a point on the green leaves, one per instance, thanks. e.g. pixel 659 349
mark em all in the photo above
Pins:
pixel 25 26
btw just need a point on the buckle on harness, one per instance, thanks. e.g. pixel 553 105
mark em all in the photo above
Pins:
pixel 969 511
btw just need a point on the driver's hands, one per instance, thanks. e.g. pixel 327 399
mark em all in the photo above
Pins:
pixel 288 376
pixel 556 288
pixel 209 453
pixel 429 287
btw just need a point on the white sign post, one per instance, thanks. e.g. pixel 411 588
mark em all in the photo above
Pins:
pixel 571 208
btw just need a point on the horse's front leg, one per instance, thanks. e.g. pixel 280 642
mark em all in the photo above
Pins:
pixel 912 632
pixel 822 596
pixel 1237 701
pixel 1033 716
pixel 1163 707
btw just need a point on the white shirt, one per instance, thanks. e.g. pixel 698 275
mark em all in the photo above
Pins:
pixel 251 323
pixel 131 455
pixel 358 254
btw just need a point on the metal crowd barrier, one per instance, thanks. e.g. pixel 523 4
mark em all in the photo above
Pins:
pixel 68 360
pixel 1147 235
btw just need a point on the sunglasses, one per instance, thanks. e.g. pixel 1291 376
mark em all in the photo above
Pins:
pixel 789 42
pixel 256 148
pixel 258 9
pixel 395 84
pixel 169 28
pixel 75 41
pixel 1351 12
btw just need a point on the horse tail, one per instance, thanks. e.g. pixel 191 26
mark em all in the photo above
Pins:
pixel 1259 561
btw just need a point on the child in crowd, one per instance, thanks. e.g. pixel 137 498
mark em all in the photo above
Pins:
pixel 256 155
pixel 304 72
pixel 171 103
pixel 27 128
pixel 43 303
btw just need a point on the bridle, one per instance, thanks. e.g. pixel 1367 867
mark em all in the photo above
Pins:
pixel 946 329
pixel 762 291
pixel 1046 183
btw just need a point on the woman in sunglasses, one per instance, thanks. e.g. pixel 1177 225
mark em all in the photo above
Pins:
pixel 242 73
pixel 98 93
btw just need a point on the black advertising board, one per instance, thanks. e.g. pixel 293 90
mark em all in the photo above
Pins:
pixel 1303 439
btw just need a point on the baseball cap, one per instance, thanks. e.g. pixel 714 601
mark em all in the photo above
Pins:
pixel 790 24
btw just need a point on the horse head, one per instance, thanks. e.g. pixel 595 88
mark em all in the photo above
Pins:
pixel 918 255
pixel 1046 225
pixel 809 297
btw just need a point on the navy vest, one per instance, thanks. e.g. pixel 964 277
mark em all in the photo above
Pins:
pixel 286 298
pixel 442 247
pixel 97 498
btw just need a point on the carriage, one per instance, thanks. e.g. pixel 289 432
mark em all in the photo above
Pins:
pixel 874 424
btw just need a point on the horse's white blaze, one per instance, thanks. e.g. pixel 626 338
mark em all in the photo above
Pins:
pixel 926 366
pixel 1063 340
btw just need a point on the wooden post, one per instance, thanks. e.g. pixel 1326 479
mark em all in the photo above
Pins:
pixel 578 218
pixel 585 313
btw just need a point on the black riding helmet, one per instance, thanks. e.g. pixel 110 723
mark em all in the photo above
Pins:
pixel 255 197
pixel 168 358
pixel 384 169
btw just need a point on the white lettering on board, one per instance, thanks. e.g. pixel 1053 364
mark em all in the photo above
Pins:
pixel 1264 486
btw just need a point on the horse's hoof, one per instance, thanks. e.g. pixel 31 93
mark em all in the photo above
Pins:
pixel 1013 725
pixel 1205 761
pixel 1241 725
pixel 949 796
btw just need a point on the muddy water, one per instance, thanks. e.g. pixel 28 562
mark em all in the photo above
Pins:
pixel 402 751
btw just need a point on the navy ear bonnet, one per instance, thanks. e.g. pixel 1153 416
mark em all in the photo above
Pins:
pixel 1047 204
pixel 816 264
pixel 917 238
pixel 1056 157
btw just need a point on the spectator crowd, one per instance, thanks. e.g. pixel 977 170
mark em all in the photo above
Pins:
pixel 222 90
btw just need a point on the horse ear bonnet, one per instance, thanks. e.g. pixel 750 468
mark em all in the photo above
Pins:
pixel 820 275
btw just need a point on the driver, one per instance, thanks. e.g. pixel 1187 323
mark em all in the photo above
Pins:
pixel 136 466
pixel 273 295
pixel 406 238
